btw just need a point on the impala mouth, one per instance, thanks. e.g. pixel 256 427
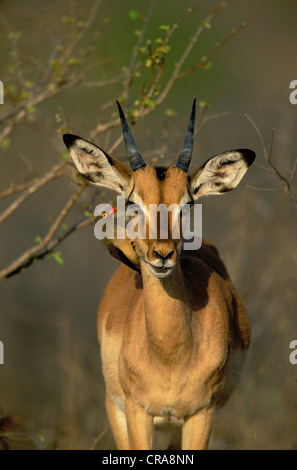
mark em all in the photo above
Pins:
pixel 162 271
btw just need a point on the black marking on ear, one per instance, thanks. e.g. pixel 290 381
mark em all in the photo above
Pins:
pixel 92 164
pixel 248 155
pixel 88 151
pixel 222 188
pixel 198 187
pixel 69 139
pixel 220 174
pixel 227 163
pixel 225 189
pixel 94 176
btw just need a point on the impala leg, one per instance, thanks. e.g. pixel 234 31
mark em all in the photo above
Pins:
pixel 117 420
pixel 140 426
pixel 197 429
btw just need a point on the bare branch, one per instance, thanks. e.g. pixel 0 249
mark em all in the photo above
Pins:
pixel 268 157
pixel 218 47
pixel 53 173
pixel 29 255
pixel 157 78
pixel 100 83
pixel 131 67
pixel 255 188
pixel 144 111
pixel 259 135
pixel 55 81
pixel 293 171
pixel 15 189
pixel 187 51
pixel 14 52
pixel 42 252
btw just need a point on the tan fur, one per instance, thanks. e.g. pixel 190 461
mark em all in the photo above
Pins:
pixel 173 330
pixel 172 348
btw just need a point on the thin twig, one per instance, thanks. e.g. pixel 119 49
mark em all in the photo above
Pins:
pixel 255 188
pixel 15 189
pixel 52 84
pixel 188 50
pixel 20 267
pixel 203 61
pixel 144 111
pixel 49 176
pixel 29 255
pixel 42 253
pixel 259 135
pixel 268 157
pixel 15 53
pixel 293 171
pixel 131 67
pixel 100 83
pixel 157 78
pixel 201 120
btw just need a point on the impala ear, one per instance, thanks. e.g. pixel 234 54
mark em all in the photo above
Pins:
pixel 221 173
pixel 97 166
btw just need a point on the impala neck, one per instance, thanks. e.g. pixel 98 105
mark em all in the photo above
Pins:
pixel 167 314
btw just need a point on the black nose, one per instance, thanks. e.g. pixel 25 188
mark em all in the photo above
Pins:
pixel 163 255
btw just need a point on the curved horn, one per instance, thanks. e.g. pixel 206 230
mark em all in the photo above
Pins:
pixel 184 159
pixel 135 158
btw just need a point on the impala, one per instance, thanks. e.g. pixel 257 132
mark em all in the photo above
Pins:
pixel 173 331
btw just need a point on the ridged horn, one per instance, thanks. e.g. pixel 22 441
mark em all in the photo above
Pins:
pixel 135 158
pixel 185 156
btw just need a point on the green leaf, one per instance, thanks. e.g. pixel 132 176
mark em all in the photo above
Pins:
pixel 64 155
pixel 129 115
pixel 164 27
pixel 72 62
pixel 204 104
pixel 171 113
pixel 67 20
pixel 58 258
pixel 149 103
pixel 5 143
pixel 133 14
pixel 54 63
pixel 206 24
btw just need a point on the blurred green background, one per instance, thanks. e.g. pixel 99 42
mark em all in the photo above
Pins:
pixel 51 384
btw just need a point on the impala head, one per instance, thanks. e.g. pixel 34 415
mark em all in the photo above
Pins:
pixel 145 185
